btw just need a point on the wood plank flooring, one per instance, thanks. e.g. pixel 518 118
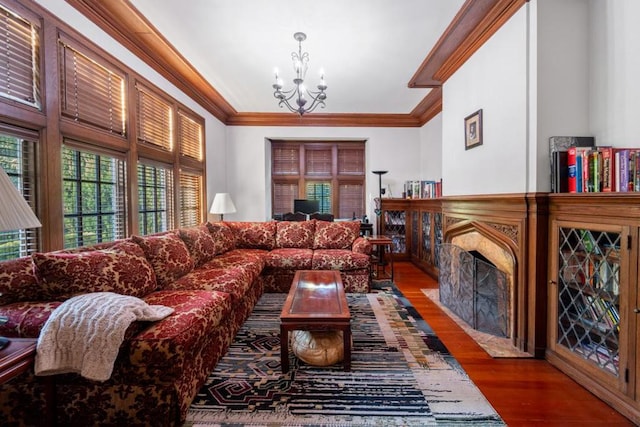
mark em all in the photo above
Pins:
pixel 525 392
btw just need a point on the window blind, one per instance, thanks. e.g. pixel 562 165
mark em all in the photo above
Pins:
pixel 155 119
pixel 90 92
pixel 283 195
pixel 351 201
pixel 19 59
pixel 350 161
pixel 190 136
pixel 285 160
pixel 318 161
pixel 191 212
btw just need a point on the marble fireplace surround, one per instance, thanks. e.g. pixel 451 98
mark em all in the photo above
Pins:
pixel 510 230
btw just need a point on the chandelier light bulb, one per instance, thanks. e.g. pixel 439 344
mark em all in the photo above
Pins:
pixel 299 93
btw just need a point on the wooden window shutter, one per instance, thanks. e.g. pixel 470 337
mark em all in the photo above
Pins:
pixel 318 161
pixel 190 136
pixel 91 93
pixel 286 160
pixel 283 195
pixel 351 200
pixel 191 212
pixel 155 119
pixel 19 59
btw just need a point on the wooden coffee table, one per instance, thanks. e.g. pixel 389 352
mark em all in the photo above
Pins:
pixel 316 302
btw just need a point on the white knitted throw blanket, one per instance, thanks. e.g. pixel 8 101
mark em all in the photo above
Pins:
pixel 83 335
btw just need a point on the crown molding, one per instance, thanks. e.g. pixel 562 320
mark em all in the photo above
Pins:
pixel 476 21
pixel 473 25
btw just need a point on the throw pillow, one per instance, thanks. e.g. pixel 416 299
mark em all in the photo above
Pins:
pixel 223 237
pixel 254 235
pixel 335 235
pixel 295 234
pixel 167 254
pixel 199 242
pixel 122 268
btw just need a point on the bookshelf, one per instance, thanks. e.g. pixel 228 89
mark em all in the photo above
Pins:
pixel 592 294
pixel 395 218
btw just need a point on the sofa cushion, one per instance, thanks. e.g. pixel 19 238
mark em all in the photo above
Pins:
pixel 335 235
pixel 254 235
pixel 199 242
pixel 289 258
pixel 251 260
pixel 168 255
pixel 222 236
pixel 18 281
pixel 339 259
pixel 122 268
pixel 295 234
pixel 235 281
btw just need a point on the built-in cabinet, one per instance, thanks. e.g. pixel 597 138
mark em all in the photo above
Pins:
pixel 416 228
pixel 593 332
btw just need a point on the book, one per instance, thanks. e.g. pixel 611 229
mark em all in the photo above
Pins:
pixel 571 170
pixel 559 182
pixel 563 143
pixel 608 169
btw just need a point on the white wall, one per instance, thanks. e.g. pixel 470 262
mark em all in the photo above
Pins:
pixel 431 149
pixel 396 150
pixel 494 79
pixel 614 84
pixel 559 36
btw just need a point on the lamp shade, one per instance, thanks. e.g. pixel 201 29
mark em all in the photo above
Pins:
pixel 222 204
pixel 15 212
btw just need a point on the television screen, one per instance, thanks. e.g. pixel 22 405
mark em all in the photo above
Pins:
pixel 306 206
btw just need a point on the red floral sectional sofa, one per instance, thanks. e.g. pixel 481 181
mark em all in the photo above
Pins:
pixel 212 276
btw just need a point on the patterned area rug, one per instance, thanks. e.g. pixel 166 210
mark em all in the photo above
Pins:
pixel 401 375
pixel 497 347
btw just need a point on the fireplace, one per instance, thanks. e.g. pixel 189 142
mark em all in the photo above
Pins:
pixel 475 289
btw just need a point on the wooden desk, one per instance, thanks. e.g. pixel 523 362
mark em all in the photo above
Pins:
pixel 316 302
pixel 384 248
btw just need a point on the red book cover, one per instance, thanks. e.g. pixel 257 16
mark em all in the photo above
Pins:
pixel 608 170
pixel 571 170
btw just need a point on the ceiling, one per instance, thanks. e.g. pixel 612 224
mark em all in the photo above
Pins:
pixel 379 56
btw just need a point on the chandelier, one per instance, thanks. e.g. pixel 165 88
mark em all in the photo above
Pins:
pixel 299 93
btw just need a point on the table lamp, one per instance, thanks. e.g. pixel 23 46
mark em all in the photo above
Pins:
pixel 15 214
pixel 222 204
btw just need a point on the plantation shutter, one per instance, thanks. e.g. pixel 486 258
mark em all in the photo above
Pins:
pixel 191 212
pixel 19 59
pixel 155 119
pixel 320 191
pixel 155 197
pixel 190 136
pixel 91 93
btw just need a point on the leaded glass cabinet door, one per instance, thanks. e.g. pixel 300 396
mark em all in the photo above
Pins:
pixel 588 298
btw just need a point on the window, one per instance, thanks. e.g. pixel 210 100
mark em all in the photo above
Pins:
pixel 93 197
pixel 191 211
pixel 17 158
pixel 155 198
pixel 331 172
pixel 91 93
pixel 19 59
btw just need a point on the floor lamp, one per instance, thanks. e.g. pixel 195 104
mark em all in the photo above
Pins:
pixel 222 204
pixel 15 214
pixel 378 211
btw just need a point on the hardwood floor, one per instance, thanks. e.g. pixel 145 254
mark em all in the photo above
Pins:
pixel 525 392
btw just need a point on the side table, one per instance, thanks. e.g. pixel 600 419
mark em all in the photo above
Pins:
pixel 382 252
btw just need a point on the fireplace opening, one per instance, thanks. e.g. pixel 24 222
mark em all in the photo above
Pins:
pixel 474 289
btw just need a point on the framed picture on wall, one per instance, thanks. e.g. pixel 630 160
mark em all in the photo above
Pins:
pixel 473 130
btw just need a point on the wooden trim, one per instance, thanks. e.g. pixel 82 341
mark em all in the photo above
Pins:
pixel 472 26
pixel 476 21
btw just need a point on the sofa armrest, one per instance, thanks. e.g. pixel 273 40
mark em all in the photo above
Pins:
pixel 362 245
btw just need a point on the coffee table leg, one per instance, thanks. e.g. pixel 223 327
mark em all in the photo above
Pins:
pixel 284 349
pixel 346 335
